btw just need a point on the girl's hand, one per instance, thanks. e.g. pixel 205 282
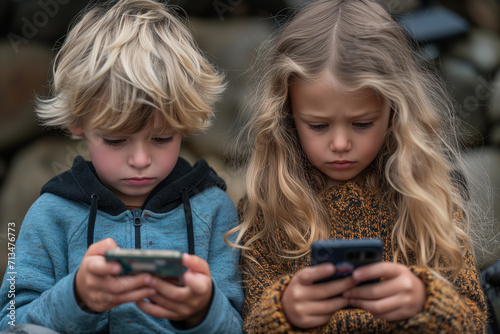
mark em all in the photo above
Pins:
pixel 308 305
pixel 399 296
pixel 188 304
pixel 98 289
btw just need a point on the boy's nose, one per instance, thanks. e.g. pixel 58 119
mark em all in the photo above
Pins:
pixel 140 156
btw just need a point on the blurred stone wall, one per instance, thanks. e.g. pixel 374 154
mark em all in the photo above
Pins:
pixel 229 32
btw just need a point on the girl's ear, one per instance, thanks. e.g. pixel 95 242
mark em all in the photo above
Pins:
pixel 76 131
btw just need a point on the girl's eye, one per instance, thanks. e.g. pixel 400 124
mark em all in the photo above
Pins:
pixel 161 140
pixel 113 142
pixel 317 127
pixel 363 125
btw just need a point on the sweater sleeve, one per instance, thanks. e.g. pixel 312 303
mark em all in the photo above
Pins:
pixel 264 286
pixel 449 308
pixel 263 312
pixel 41 295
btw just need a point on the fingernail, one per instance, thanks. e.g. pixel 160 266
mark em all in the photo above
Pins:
pixel 151 281
pixel 116 269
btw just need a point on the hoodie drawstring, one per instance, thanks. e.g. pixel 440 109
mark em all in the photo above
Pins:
pixel 189 219
pixel 94 203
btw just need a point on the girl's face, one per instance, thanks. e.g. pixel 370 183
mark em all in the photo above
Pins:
pixel 341 133
pixel 131 165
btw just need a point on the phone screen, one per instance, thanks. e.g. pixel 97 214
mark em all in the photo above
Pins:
pixel 165 264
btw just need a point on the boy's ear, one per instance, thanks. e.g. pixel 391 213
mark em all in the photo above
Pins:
pixel 76 131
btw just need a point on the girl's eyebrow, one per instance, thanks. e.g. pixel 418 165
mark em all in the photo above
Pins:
pixel 370 112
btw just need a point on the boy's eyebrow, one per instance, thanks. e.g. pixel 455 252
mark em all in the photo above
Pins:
pixel 161 130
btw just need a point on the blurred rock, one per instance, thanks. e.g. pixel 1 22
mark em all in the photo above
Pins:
pixel 481 47
pixel 401 6
pixel 484 13
pixel 42 20
pixel 464 82
pixel 223 9
pixel 481 13
pixel 4 17
pixel 482 164
pixel 231 45
pixel 494 103
pixel 31 168
pixel 234 179
pixel 495 135
pixel 22 75
pixel 3 168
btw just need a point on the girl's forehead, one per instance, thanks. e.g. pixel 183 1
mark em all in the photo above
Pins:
pixel 325 83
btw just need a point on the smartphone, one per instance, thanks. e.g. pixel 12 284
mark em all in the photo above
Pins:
pixel 165 264
pixel 346 255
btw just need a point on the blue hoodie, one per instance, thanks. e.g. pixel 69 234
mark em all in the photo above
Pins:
pixel 188 211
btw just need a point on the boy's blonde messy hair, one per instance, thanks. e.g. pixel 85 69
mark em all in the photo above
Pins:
pixel 363 47
pixel 124 61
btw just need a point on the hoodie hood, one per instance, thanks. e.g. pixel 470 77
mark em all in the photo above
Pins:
pixel 81 184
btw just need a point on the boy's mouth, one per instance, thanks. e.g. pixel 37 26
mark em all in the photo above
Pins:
pixel 139 181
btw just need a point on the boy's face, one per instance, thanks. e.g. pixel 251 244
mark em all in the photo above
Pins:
pixel 131 166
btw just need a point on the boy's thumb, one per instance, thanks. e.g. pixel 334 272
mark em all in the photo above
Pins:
pixel 195 264
pixel 100 247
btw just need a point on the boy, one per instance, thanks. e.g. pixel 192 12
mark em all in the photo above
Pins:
pixel 131 82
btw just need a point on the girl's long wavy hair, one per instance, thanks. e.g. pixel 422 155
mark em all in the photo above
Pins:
pixel 363 47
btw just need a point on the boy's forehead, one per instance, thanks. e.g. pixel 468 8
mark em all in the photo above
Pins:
pixel 153 131
pixel 120 122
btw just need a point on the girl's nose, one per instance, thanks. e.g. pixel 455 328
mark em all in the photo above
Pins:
pixel 340 141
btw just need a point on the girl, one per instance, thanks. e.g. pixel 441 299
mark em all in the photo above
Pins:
pixel 351 140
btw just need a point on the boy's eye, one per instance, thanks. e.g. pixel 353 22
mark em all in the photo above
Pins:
pixel 363 125
pixel 113 142
pixel 317 127
pixel 161 140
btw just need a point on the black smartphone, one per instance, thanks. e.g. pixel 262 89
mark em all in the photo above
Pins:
pixel 165 264
pixel 346 255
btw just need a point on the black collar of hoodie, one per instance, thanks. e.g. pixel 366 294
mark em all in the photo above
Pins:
pixel 80 183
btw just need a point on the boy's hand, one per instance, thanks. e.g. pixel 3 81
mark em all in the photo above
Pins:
pixel 399 296
pixel 97 289
pixel 188 304
pixel 308 305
